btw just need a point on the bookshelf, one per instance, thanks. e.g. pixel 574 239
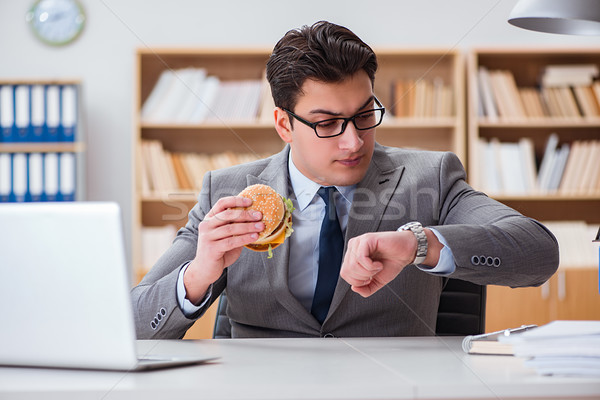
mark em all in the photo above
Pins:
pixel 41 141
pixel 428 72
pixel 573 292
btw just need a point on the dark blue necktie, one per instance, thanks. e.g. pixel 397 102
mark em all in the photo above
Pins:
pixel 331 247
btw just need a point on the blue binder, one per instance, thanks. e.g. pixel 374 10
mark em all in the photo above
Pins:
pixel 38 113
pixel 5 177
pixel 68 121
pixel 53 125
pixel 22 113
pixel 7 113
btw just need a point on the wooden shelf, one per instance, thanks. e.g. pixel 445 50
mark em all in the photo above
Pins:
pixel 42 147
pixel 508 307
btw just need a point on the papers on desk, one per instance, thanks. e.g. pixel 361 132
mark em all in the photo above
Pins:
pixel 560 348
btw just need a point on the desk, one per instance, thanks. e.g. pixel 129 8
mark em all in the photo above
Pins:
pixel 374 368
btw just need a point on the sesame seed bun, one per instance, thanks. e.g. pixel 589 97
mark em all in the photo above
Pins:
pixel 266 200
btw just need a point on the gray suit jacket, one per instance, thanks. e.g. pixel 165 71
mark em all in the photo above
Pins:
pixel 491 244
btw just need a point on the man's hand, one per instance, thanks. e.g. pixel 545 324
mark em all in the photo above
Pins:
pixel 374 259
pixel 221 237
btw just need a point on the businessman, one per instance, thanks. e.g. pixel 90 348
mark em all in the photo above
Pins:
pixel 377 230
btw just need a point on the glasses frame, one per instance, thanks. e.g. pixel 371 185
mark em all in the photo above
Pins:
pixel 313 125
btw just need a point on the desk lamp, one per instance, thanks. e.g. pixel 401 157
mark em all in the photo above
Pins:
pixel 570 17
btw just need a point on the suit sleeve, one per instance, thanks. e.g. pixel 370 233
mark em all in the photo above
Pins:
pixel 491 242
pixel 155 306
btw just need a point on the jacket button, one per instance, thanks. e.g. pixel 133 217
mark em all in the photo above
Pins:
pixel 489 261
pixel 475 260
pixel 497 262
pixel 153 325
pixel 163 312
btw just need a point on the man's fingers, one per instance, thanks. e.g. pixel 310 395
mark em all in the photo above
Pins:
pixel 228 202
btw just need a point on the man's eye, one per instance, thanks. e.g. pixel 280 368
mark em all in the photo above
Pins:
pixel 365 115
pixel 328 124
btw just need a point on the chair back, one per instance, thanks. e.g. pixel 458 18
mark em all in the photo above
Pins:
pixel 461 311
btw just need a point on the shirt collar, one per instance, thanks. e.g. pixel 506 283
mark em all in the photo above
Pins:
pixel 305 189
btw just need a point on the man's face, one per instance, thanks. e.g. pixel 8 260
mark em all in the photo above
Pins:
pixel 342 160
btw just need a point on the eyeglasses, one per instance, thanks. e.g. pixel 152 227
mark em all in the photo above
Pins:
pixel 332 127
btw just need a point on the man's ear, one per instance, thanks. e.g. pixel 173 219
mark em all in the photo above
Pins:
pixel 282 125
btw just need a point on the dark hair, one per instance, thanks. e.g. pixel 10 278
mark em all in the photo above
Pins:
pixel 324 52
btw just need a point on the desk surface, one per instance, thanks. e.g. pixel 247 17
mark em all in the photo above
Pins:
pixel 374 368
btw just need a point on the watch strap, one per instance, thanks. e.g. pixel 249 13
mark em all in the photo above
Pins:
pixel 417 229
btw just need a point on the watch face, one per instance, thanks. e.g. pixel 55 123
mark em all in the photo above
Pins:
pixel 56 22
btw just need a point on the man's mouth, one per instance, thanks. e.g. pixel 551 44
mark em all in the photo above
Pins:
pixel 350 162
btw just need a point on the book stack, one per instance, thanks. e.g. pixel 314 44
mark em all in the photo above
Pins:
pixel 168 172
pixel 510 168
pixel 422 98
pixel 567 348
pixel 564 91
pixel 191 96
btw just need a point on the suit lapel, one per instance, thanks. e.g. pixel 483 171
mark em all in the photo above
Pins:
pixel 371 198
pixel 276 268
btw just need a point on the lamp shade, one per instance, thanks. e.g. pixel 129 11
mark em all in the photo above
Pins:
pixel 572 17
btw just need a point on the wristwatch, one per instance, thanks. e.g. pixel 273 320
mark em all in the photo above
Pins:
pixel 417 229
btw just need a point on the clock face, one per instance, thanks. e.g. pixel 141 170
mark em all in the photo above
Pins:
pixel 56 22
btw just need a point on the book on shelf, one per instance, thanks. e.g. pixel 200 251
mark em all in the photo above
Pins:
pixel 165 171
pixel 422 98
pixel 563 92
pixel 191 96
pixel 510 168
pixel 564 75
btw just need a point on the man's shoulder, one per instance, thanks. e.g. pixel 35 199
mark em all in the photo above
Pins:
pixel 407 156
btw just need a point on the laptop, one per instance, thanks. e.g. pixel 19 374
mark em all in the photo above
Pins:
pixel 64 290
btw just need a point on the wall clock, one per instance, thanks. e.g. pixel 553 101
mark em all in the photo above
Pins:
pixel 56 22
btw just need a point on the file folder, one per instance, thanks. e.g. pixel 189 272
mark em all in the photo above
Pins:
pixel 22 120
pixel 5 177
pixel 68 113
pixel 67 180
pixel 7 113
pixel 50 177
pixel 38 113
pixel 53 113
pixel 19 177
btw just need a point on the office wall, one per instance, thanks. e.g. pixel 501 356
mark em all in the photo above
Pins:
pixel 103 57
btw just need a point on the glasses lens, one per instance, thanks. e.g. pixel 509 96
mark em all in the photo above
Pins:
pixel 368 119
pixel 330 127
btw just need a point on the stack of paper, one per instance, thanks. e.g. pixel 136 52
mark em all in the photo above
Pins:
pixel 560 348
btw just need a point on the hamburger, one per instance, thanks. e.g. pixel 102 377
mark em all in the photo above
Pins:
pixel 276 215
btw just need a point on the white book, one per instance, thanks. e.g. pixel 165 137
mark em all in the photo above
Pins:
pixel 513 175
pixel 558 167
pixel 528 161
pixel 157 95
pixel 192 81
pixel 547 161
pixel 205 102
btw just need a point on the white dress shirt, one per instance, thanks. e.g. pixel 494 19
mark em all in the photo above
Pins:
pixel 304 243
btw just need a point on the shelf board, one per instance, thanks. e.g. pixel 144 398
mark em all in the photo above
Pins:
pixel 389 122
pixel 573 122
pixel 57 147
pixel 547 197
